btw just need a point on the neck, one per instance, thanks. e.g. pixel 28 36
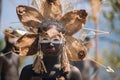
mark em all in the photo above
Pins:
pixel 51 61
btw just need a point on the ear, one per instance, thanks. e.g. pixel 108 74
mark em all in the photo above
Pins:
pixel 29 17
pixel 74 21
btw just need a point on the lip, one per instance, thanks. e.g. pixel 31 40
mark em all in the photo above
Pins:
pixel 50 50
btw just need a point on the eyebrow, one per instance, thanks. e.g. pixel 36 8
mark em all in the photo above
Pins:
pixel 45 34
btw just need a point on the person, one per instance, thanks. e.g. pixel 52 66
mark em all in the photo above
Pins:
pixel 51 44
pixel 9 61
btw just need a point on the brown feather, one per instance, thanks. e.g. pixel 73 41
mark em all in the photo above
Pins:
pixel 28 44
pixel 29 17
pixel 74 21
pixel 76 51
pixel 51 9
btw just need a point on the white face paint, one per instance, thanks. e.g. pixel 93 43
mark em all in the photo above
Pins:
pixel 21 32
pixel 56 39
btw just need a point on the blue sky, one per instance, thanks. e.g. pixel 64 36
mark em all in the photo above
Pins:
pixel 9 16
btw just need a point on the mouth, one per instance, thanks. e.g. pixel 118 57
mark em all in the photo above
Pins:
pixel 51 50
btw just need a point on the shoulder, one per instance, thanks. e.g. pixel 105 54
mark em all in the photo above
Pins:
pixel 26 72
pixel 74 69
pixel 74 74
pixel 27 69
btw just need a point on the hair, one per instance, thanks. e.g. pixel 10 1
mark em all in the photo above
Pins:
pixel 50 1
pixel 45 26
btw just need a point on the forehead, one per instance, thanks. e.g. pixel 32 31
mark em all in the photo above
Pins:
pixel 52 32
pixel 51 37
pixel 51 26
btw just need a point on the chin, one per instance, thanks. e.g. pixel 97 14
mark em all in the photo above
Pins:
pixel 51 54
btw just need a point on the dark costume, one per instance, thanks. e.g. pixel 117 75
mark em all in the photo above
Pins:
pixel 29 74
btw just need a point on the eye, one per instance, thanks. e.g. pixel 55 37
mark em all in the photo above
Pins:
pixel 45 39
pixel 56 40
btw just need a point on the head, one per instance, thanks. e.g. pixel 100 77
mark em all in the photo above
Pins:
pixel 11 37
pixel 51 39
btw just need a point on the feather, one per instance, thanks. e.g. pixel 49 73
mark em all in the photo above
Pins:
pixel 29 17
pixel 76 51
pixel 74 21
pixel 28 44
pixel 51 9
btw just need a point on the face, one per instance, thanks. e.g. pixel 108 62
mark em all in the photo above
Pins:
pixel 51 45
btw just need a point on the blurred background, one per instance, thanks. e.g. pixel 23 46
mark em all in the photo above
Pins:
pixel 103 15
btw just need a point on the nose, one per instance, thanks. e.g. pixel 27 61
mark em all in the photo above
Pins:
pixel 51 44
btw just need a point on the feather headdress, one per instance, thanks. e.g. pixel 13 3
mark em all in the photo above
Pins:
pixel 32 18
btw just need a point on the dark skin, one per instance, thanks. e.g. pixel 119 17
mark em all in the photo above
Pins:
pixel 3 66
pixel 52 50
pixel 9 61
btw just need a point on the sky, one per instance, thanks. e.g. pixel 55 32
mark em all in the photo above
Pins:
pixel 9 17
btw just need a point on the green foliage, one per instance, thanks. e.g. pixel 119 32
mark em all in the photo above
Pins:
pixel 2 44
pixel 114 59
pixel 116 5
pixel 110 17
pixel 113 15
pixel 118 31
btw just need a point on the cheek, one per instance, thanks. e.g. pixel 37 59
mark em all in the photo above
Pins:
pixel 58 47
pixel 44 46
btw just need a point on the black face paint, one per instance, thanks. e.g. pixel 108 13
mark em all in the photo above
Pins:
pixel 51 46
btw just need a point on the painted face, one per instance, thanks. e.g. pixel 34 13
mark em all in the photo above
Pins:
pixel 51 46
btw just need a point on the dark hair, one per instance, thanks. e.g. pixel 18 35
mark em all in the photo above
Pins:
pixel 44 26
pixel 50 1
